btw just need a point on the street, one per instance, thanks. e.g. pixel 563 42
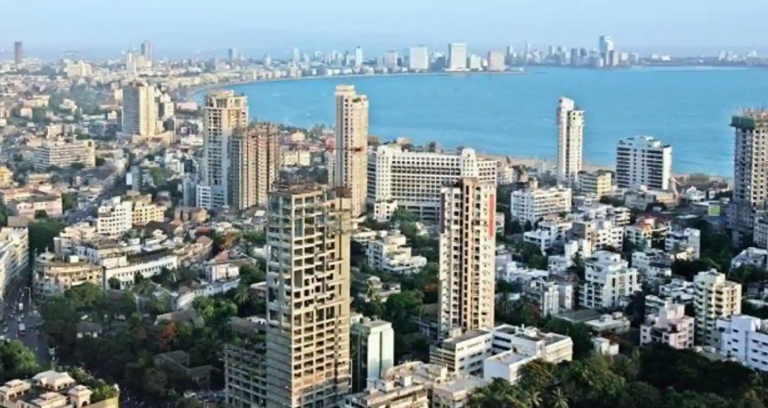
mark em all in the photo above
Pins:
pixel 18 292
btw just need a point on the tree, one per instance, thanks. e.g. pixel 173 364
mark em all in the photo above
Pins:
pixel 242 295
pixel 100 161
pixel 4 213
pixel 40 214
pixel 41 234
pixel 528 226
pixel 68 201
pixel 77 166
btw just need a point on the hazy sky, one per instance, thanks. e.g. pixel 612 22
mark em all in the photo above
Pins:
pixel 267 25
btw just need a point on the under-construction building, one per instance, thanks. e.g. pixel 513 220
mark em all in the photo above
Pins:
pixel 244 364
pixel 308 302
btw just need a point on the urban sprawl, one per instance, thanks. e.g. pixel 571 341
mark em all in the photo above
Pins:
pixel 160 251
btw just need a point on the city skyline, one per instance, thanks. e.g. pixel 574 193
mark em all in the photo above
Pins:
pixel 282 27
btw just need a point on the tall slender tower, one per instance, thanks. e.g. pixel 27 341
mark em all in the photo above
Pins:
pixel 139 109
pixel 18 52
pixel 750 171
pixel 570 128
pixel 255 164
pixel 223 113
pixel 308 240
pixel 146 51
pixel 351 145
pixel 467 251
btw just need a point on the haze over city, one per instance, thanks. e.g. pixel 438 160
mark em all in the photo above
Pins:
pixel 98 28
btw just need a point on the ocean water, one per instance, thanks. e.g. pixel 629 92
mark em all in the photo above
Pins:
pixel 514 114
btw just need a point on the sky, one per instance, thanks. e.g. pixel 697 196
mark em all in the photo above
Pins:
pixel 257 26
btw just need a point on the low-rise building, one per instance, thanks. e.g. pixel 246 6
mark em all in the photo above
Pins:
pixel 519 346
pixel 757 257
pixel 72 236
pixel 463 353
pixel 616 323
pixel 53 275
pixel 687 240
pixel 607 280
pixel 670 326
pixel 600 233
pixel 402 392
pixel 652 263
pixel 533 205
pixel 744 338
pixel 52 389
pixel 64 154
pixel 646 231
pixel 121 270
pixel 114 217
pixel 48 204
pixel 390 253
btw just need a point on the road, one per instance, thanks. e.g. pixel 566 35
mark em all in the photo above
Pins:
pixel 18 292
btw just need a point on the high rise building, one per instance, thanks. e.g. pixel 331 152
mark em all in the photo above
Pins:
pixel 146 51
pixel 234 55
pixel 296 55
pixel 351 145
pixel 139 109
pixel 398 178
pixel 457 57
pixel 467 248
pixel 714 298
pixel 375 351
pixel 750 173
pixel 308 301
pixel 18 52
pixel 606 47
pixel 358 56
pixel 255 164
pixel 643 161
pixel 496 61
pixel 222 114
pixel 570 127
pixel 390 59
pixel 418 58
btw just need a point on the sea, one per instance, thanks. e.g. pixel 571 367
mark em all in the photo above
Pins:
pixel 514 114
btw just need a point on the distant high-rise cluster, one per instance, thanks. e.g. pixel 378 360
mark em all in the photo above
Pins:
pixel 570 124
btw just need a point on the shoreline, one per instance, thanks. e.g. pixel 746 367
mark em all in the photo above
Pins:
pixel 193 93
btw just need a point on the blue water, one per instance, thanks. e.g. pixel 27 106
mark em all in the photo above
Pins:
pixel 515 114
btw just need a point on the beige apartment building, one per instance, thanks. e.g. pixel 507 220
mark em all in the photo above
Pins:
pixel 255 164
pixel 714 298
pixel 50 389
pixel 351 145
pixel 6 177
pixel 139 109
pixel 222 114
pixel 750 174
pixel 63 154
pixel 144 210
pixel 308 304
pixel 412 180
pixel 48 203
pixel 596 183
pixel 467 253
pixel 53 275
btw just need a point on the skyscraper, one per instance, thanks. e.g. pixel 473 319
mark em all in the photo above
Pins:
pixel 714 298
pixel 496 61
pixel 643 161
pixel 467 248
pixel 255 164
pixel 223 113
pixel 139 109
pixel 351 145
pixel 146 51
pixel 308 279
pixel 418 58
pixel 18 52
pixel 570 127
pixel 358 56
pixel 234 55
pixel 606 48
pixel 457 57
pixel 390 59
pixel 750 172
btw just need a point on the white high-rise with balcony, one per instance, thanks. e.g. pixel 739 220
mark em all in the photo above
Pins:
pixel 745 338
pixel 643 161
pixel 457 57
pixel 570 141
pixel 607 279
pixel 467 256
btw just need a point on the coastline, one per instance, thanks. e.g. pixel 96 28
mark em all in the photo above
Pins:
pixel 195 91
pixel 537 162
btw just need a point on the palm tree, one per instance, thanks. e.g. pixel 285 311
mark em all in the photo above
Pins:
pixel 532 398
pixel 558 399
pixel 242 296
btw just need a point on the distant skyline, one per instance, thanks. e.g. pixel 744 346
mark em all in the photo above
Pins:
pixel 103 28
